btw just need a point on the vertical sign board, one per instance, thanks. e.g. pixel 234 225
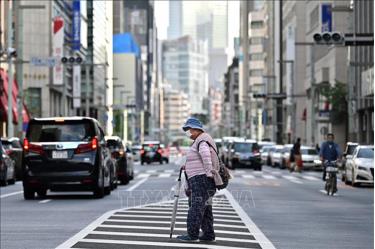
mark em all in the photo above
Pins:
pixel 326 17
pixel 58 42
pixel 76 46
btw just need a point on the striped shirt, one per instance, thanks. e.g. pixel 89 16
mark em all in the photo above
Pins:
pixel 200 163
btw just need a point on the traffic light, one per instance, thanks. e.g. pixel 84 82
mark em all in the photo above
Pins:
pixel 259 95
pixel 71 60
pixel 329 38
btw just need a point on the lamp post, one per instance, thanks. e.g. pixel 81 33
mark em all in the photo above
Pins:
pixel 273 77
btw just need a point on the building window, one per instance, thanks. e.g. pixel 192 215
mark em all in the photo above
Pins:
pixel 256 57
pixel 257 25
pixel 256 40
pixel 33 98
pixel 256 72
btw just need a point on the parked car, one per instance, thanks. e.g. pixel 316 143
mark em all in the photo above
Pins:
pixel 285 157
pixel 13 148
pixel 151 152
pixel 245 153
pixel 66 153
pixel 261 144
pixel 136 151
pixel 264 154
pixel 270 154
pixel 310 158
pixel 165 153
pixel 219 143
pixel 359 167
pixel 7 169
pixel 123 159
pixel 349 150
pixel 276 156
pixel 226 144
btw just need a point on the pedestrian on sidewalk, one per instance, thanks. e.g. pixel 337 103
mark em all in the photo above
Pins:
pixel 296 157
pixel 201 181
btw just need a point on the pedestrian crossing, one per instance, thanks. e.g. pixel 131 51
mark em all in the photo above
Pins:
pixel 297 178
pixel 148 226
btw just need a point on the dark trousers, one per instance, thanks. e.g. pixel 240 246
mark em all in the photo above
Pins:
pixel 200 209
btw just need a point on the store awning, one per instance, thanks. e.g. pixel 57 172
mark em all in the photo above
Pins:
pixel 4 100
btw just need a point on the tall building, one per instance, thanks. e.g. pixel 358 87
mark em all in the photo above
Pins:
pixel 361 84
pixel 185 68
pixel 329 67
pixel 176 111
pixel 175 19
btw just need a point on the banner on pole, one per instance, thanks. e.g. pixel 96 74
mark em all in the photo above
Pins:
pixel 76 28
pixel 326 17
pixel 76 86
pixel 58 43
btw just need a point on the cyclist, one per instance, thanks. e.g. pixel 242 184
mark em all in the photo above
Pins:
pixel 329 151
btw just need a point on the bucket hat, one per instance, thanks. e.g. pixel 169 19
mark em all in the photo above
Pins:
pixel 192 123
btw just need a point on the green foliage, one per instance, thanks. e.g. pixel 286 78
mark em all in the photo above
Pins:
pixel 336 95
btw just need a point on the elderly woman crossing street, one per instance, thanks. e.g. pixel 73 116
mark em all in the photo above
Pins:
pixel 201 180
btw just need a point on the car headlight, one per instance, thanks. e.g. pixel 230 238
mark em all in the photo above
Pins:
pixel 316 161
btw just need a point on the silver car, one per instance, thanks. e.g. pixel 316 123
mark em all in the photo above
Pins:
pixel 310 158
pixel 359 167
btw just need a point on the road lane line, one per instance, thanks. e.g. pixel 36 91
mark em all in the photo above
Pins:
pixel 292 179
pixel 165 244
pixel 45 201
pixel 145 222
pixel 255 231
pixel 137 184
pixel 312 178
pixel 11 194
pixel 168 229
pixel 325 192
pixel 169 171
pixel 151 171
pixel 248 176
pixel 165 175
pixel 142 175
pixel 168 214
pixel 269 177
pixel 163 236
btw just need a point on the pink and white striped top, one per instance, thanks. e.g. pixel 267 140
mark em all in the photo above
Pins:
pixel 200 163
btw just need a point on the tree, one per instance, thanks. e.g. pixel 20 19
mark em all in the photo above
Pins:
pixel 336 95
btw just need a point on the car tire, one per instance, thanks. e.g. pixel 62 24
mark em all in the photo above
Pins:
pixel 142 162
pixel 346 178
pixel 354 184
pixel 28 193
pixel 42 192
pixel 131 176
pixel 99 190
pixel 107 190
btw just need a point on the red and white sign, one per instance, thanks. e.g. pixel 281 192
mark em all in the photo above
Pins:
pixel 58 52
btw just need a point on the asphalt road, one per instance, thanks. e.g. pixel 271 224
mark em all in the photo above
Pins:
pixel 268 209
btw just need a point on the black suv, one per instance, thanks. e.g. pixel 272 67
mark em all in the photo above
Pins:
pixel 151 152
pixel 245 153
pixel 124 167
pixel 66 154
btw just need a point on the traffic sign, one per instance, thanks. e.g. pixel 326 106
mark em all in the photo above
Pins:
pixel 43 61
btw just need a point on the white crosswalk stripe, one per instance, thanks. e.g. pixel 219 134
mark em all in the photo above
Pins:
pixel 149 225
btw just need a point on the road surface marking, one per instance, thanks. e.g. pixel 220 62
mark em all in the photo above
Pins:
pixel 151 171
pixel 163 235
pixel 143 175
pixel 126 232
pixel 269 177
pixel 248 176
pixel 168 215
pixel 152 243
pixel 11 194
pixel 137 184
pixel 169 171
pixel 169 211
pixel 165 175
pixel 292 179
pixel 45 201
pixel 325 192
pixel 312 178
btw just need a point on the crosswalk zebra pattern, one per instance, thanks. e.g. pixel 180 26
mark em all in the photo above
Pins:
pixel 265 175
pixel 148 227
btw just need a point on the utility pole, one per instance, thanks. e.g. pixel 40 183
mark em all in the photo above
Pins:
pixel 245 68
pixel 312 92
pixel 279 105
pixel 10 71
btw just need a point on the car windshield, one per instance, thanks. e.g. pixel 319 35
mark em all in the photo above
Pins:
pixel 68 131
pixel 150 147
pixel 243 147
pixel 308 152
pixel 113 143
pixel 351 149
pixel 366 153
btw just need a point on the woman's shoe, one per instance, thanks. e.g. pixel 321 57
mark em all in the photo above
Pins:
pixel 206 239
pixel 186 238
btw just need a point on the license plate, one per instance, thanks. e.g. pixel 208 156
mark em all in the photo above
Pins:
pixel 59 154
pixel 331 169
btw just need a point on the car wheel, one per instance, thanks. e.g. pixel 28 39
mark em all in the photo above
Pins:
pixel 142 162
pixel 99 188
pixel 28 193
pixel 346 178
pixel 131 176
pixel 42 192
pixel 107 190
pixel 354 184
